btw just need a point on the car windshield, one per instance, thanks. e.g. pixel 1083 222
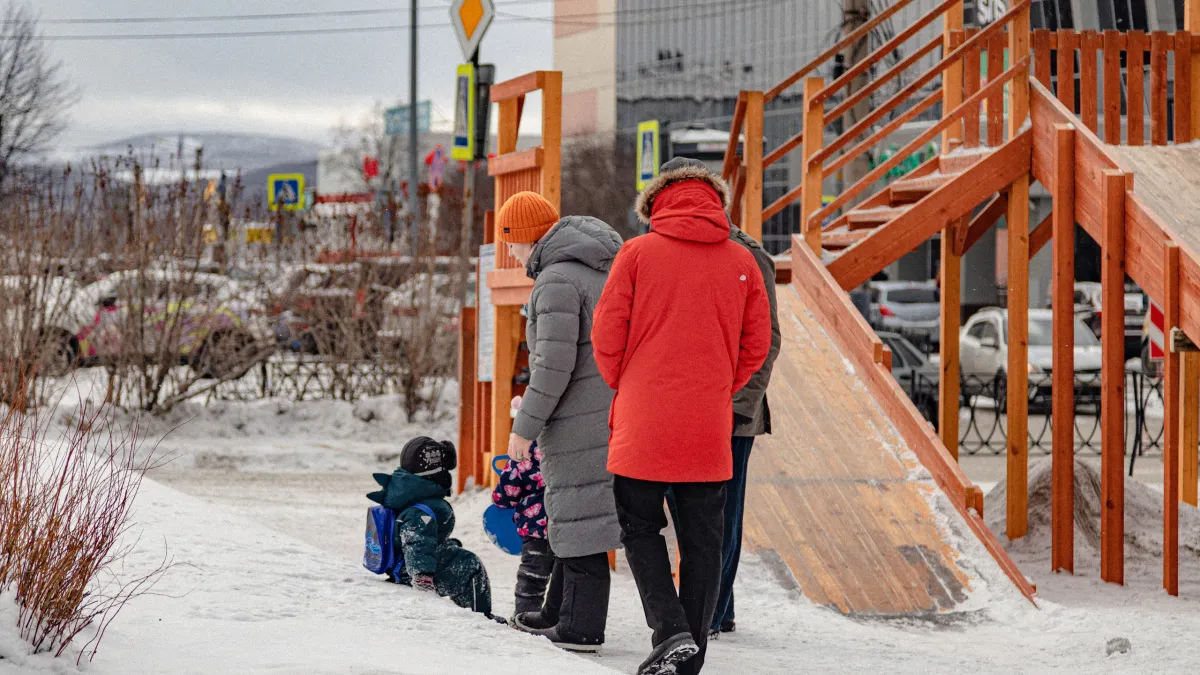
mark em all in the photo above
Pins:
pixel 912 295
pixel 1041 333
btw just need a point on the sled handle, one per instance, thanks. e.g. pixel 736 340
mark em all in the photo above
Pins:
pixel 499 458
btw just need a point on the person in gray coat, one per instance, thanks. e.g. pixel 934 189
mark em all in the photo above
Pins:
pixel 565 408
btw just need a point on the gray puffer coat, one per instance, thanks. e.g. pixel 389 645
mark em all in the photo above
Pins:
pixel 566 404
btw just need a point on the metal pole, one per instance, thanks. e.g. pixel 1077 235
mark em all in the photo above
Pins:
pixel 468 206
pixel 413 176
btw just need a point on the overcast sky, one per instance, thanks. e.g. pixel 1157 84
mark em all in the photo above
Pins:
pixel 299 86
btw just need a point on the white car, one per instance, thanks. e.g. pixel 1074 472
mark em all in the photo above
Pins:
pixel 52 301
pixel 984 351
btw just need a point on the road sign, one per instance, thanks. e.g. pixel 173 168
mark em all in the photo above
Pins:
pixel 1154 330
pixel 471 19
pixel 395 120
pixel 259 235
pixel 648 153
pixel 463 142
pixel 285 190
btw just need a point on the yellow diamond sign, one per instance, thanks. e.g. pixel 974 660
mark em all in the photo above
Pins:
pixel 471 19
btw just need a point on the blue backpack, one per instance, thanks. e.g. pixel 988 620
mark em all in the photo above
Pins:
pixel 381 555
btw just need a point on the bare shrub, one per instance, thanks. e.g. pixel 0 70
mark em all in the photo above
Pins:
pixel 65 512
pixel 598 181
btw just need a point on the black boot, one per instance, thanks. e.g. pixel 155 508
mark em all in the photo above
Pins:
pixel 533 621
pixel 672 652
pixel 568 642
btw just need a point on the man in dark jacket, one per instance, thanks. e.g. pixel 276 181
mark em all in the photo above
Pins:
pixel 752 417
pixel 565 408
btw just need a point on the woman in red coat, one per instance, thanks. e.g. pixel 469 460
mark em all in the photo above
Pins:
pixel 682 324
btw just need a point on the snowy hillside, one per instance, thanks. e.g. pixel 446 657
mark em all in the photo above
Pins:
pixel 229 151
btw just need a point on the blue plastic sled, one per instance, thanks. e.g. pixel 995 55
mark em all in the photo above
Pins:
pixel 498 523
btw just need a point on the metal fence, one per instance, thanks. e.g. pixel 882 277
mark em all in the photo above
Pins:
pixel 983 420
pixel 308 378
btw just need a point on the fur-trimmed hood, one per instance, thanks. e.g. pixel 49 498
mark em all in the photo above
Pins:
pixel 676 171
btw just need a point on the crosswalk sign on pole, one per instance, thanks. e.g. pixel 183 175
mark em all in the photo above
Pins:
pixel 648 152
pixel 463 141
pixel 286 191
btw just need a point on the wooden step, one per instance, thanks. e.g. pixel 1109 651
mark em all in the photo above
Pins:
pixel 962 159
pixel 843 239
pixel 908 190
pixel 859 219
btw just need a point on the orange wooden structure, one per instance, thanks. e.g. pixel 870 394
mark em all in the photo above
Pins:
pixel 484 420
pixel 1107 166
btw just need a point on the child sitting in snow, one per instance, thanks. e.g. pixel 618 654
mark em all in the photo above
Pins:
pixel 523 489
pixel 432 561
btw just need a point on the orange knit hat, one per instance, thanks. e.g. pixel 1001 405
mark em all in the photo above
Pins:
pixel 525 218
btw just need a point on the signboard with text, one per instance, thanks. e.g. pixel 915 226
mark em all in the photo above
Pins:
pixel 648 152
pixel 485 333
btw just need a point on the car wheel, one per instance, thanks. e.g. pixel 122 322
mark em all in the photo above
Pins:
pixel 225 355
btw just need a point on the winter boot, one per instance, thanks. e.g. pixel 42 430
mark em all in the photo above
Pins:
pixel 672 652
pixel 566 642
pixel 532 621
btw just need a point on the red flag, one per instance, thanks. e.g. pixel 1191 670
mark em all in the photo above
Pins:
pixel 370 167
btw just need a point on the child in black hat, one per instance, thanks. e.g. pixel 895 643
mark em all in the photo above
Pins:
pixel 432 561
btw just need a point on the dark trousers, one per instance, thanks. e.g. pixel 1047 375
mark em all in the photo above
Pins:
pixel 699 523
pixel 731 540
pixel 537 563
pixel 577 600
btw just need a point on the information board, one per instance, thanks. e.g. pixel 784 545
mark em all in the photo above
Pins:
pixel 485 316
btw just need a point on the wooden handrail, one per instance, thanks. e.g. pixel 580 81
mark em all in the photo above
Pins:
pixel 852 133
pixel 518 86
pixel 779 204
pixel 849 156
pixel 928 135
pixel 824 56
pixel 857 97
pixel 883 50
pixel 735 130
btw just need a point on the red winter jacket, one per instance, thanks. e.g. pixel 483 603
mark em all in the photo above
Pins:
pixel 682 324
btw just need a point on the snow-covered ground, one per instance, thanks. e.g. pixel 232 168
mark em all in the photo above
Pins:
pixel 262 505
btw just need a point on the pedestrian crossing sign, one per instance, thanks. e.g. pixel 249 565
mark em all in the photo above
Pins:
pixel 462 146
pixel 648 152
pixel 286 191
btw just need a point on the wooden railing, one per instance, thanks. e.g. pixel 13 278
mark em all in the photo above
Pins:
pixel 1106 74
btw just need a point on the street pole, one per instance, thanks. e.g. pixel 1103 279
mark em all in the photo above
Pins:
pixel 464 252
pixel 413 177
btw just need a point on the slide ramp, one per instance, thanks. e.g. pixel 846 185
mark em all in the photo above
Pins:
pixel 837 493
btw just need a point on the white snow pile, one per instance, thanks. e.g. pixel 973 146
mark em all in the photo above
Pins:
pixel 248 599
pixel 1143 522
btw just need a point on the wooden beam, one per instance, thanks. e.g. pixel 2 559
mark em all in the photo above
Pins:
pixel 1112 379
pixel 967 237
pixel 1189 431
pixel 1171 424
pixel 510 90
pixel 466 400
pixel 1183 88
pixel 522 160
pixel 814 136
pixel 1018 91
pixel 752 152
pixel 951 320
pixel 1017 521
pixel 1112 87
pixel 551 85
pixel 952 88
pixel 1191 24
pixel 1062 514
pixel 735 130
pixel 1135 78
pixel 504 361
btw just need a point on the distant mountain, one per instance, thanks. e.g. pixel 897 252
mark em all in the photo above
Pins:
pixel 221 151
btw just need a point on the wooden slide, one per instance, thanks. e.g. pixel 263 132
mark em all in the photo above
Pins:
pixel 839 493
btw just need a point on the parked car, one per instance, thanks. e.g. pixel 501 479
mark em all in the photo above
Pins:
pixel 1089 308
pixel 910 308
pixel 984 354
pixel 43 304
pixel 317 308
pixel 916 375
pixel 219 333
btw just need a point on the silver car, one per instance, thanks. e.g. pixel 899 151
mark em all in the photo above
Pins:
pixel 910 308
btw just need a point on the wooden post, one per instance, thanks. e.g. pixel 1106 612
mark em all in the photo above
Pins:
pixel 466 397
pixel 1189 426
pixel 752 151
pixel 1191 24
pixel 952 81
pixel 1171 423
pixel 814 138
pixel 1112 379
pixel 504 360
pixel 951 320
pixel 551 139
pixel 1062 515
pixel 1018 297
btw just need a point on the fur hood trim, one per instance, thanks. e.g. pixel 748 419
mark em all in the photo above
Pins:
pixel 645 200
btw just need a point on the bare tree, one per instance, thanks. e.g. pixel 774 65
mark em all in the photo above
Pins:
pixel 34 95
pixel 598 181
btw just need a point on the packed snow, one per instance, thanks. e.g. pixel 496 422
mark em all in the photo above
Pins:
pixel 262 510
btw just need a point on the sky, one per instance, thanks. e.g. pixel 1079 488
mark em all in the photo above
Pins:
pixel 298 86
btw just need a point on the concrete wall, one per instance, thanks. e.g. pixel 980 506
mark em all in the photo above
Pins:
pixel 585 46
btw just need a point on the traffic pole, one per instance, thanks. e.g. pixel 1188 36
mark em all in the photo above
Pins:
pixel 413 176
pixel 468 225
